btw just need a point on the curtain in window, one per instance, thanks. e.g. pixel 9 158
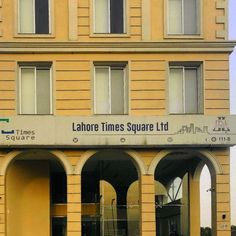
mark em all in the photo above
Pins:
pixel 176 90
pixel 191 91
pixel 34 16
pixel 102 90
pixel 175 16
pixel 183 90
pixel 35 91
pixel 190 17
pixel 183 16
pixel 43 91
pixel 110 94
pixel 117 91
pixel 109 16
pixel 27 91
pixel 26 16
pixel 101 16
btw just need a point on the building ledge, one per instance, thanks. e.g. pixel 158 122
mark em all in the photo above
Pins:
pixel 119 47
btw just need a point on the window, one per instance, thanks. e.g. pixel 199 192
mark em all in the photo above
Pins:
pixel 109 16
pixel 185 88
pixel 110 92
pixel 183 17
pixel 35 96
pixel 33 16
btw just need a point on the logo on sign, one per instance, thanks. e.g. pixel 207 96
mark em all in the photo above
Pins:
pixel 221 125
pixel 6 120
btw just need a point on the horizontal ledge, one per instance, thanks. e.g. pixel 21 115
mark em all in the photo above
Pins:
pixel 103 47
pixel 138 146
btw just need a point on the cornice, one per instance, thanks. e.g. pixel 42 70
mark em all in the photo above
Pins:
pixel 117 47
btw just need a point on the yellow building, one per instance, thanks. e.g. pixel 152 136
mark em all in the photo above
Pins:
pixel 109 109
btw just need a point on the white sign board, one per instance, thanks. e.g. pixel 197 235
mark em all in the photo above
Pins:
pixel 68 131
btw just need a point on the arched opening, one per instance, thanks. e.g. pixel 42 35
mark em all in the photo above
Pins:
pixel 106 178
pixel 206 201
pixel 178 195
pixel 36 189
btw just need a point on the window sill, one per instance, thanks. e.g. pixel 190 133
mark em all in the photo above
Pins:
pixel 20 114
pixel 107 35
pixel 95 114
pixel 34 35
pixel 182 36
pixel 188 114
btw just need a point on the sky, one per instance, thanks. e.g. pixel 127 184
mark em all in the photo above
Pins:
pixel 232 36
pixel 205 176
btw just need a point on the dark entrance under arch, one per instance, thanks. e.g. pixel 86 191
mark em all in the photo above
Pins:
pixel 172 195
pixel 105 213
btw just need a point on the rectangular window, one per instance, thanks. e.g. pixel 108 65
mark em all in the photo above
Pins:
pixel 110 90
pixel 109 16
pixel 33 16
pixel 185 89
pixel 183 17
pixel 35 95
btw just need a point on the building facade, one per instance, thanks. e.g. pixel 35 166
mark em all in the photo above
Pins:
pixel 109 110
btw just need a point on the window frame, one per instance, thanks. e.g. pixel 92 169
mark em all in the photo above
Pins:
pixel 125 87
pixel 200 91
pixel 199 23
pixel 108 33
pixel 34 66
pixel 34 34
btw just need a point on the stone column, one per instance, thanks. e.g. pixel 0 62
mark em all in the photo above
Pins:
pixel 147 204
pixel 74 205
pixel 194 206
pixel 2 206
pixel 222 205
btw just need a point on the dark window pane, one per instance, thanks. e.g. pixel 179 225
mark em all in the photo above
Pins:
pixel 41 17
pixel 59 226
pixel 116 16
pixel 58 187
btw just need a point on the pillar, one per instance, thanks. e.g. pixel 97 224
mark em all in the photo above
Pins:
pixel 2 206
pixel 194 201
pixel 148 212
pixel 74 205
pixel 222 205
